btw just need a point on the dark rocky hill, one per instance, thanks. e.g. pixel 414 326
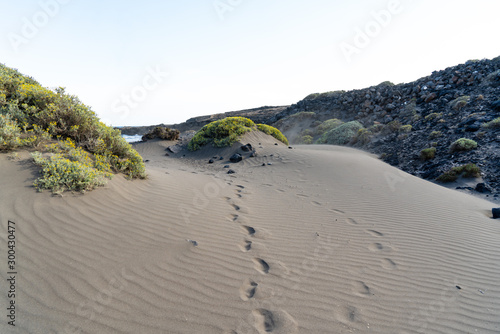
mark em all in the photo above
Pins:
pixel 402 120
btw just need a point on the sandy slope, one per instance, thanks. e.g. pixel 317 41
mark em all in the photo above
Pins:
pixel 323 240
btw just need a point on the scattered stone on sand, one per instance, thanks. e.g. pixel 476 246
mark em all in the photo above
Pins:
pixel 231 171
pixel 253 154
pixel 193 242
pixel 221 158
pixel 236 157
pixel 226 166
pixel 482 188
pixel 174 148
pixel 496 213
pixel 211 161
pixel 247 147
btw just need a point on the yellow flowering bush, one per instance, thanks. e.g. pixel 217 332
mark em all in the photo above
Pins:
pixel 60 174
pixel 9 133
pixel 31 115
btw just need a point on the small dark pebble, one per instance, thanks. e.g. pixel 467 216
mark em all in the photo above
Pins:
pixel 167 154
pixel 276 144
pixel 146 160
pixel 226 166
pixel 221 158
pixel 211 161
pixel 193 242
pixel 269 163
pixel 458 287
pixel 290 147
pixel 231 171
pixel 263 164
pixel 495 212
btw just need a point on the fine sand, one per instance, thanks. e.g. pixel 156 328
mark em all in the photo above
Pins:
pixel 321 240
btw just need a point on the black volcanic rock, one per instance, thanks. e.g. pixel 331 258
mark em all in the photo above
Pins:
pixel 236 158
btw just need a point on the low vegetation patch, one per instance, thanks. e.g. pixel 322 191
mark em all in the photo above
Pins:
pixel 328 125
pixel 468 171
pixel 306 139
pixel 433 116
pixel 341 135
pixel 31 115
pixel 460 102
pixel 435 134
pixel 463 144
pixel 229 130
pixel 428 154
pixel 405 128
pixel 162 132
pixel 493 124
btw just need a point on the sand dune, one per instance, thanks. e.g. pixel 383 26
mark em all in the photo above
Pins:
pixel 313 239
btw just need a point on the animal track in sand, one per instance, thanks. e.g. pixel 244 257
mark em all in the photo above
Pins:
pixel 337 211
pixel 249 230
pixel 264 320
pixel 261 266
pixel 389 264
pixel 247 290
pixel 316 203
pixel 361 288
pixel 375 233
pixel 245 246
pixel 302 195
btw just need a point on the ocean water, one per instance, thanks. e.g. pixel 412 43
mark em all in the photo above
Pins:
pixel 132 139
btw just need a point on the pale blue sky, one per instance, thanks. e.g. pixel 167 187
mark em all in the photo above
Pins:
pixel 149 62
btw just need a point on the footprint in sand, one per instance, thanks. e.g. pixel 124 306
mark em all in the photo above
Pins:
pixel 351 221
pixel 249 230
pixel 375 247
pixel 337 211
pixel 375 233
pixel 261 266
pixel 349 314
pixel 361 288
pixel 316 203
pixel 264 320
pixel 245 246
pixel 247 290
pixel 389 264
pixel 302 195
pixel 276 321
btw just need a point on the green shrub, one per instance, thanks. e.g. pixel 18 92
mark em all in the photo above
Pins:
pixel 393 126
pixel 435 134
pixel 9 133
pixel 267 129
pixel 328 125
pixel 307 132
pixel 405 129
pixel 302 115
pixel 306 139
pixel 493 124
pixel 468 171
pixel 433 116
pixel 341 135
pixel 162 132
pixel 385 83
pixel 363 137
pixel 463 144
pixel 428 154
pixel 460 102
pixel 60 174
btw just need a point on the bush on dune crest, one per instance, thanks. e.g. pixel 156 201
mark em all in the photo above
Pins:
pixel 31 115
pixel 227 131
